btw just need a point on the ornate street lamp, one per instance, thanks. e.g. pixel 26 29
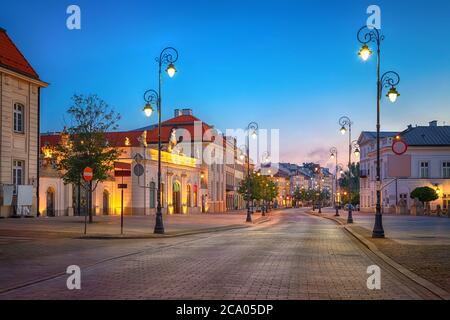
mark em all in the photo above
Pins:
pixel 252 130
pixel 334 155
pixel 346 125
pixel 168 56
pixel 390 80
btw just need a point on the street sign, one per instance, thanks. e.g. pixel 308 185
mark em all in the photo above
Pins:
pixel 122 173
pixel 122 186
pixel 399 147
pixel 88 174
pixel 138 170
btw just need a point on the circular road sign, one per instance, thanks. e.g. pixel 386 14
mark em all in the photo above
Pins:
pixel 88 174
pixel 138 170
pixel 399 147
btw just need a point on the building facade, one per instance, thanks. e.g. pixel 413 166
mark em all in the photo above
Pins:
pixel 180 182
pixel 20 90
pixel 201 172
pixel 425 163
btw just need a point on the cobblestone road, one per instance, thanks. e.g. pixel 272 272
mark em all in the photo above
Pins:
pixel 297 257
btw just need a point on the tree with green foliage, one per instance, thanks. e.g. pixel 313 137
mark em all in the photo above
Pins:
pixel 84 144
pixel 258 188
pixel 344 184
pixel 424 194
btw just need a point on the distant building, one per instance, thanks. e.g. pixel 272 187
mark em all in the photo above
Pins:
pixel 426 163
pixel 19 126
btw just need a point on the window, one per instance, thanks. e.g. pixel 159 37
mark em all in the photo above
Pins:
pixel 152 194
pixel 18 172
pixel 446 170
pixel 189 199
pixel 19 111
pixel 195 196
pixel 445 201
pixel 424 169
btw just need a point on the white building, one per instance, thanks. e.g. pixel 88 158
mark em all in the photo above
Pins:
pixel 19 126
pixel 180 182
pixel 426 163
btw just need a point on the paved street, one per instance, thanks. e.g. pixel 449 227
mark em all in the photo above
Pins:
pixel 294 256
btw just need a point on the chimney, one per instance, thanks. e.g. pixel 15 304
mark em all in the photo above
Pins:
pixel 433 123
pixel 409 126
pixel 177 112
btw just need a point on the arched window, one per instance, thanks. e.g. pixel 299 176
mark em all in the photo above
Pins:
pixel 50 202
pixel 195 196
pixel 105 202
pixel 188 194
pixel 152 194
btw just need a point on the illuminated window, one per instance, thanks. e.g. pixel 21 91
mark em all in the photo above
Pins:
pixel 189 199
pixel 195 196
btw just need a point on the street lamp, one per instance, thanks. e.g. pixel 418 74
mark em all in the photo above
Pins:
pixel 334 155
pixel 346 124
pixel 168 56
pixel 390 80
pixel 252 130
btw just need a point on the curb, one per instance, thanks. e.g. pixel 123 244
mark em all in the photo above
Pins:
pixel 441 293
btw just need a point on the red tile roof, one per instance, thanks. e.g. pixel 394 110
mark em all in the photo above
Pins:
pixel 118 138
pixel 11 57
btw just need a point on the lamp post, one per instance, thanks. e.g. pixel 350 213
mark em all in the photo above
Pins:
pixel 334 154
pixel 390 80
pixel 346 124
pixel 167 57
pixel 253 127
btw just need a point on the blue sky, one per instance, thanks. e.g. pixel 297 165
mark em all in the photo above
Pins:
pixel 289 65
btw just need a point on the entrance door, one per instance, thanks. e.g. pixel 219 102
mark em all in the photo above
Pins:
pixel 50 202
pixel 176 198
pixel 105 202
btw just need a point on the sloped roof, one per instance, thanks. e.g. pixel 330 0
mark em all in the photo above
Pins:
pixel 11 58
pixel 427 136
pixel 118 138
pixel 416 136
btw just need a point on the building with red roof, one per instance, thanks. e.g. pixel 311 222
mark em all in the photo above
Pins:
pixel 20 89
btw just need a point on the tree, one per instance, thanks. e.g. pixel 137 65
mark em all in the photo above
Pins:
pixel 344 183
pixel 269 190
pixel 424 194
pixel 84 143
pixel 258 187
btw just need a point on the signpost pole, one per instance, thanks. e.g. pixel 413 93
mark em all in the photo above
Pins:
pixel 121 209
pixel 85 219
pixel 87 176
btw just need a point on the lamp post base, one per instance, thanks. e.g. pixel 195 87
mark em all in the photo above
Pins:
pixel 249 217
pixel 350 217
pixel 378 231
pixel 159 227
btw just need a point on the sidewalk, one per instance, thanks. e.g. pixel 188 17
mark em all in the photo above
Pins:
pixel 420 244
pixel 134 226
